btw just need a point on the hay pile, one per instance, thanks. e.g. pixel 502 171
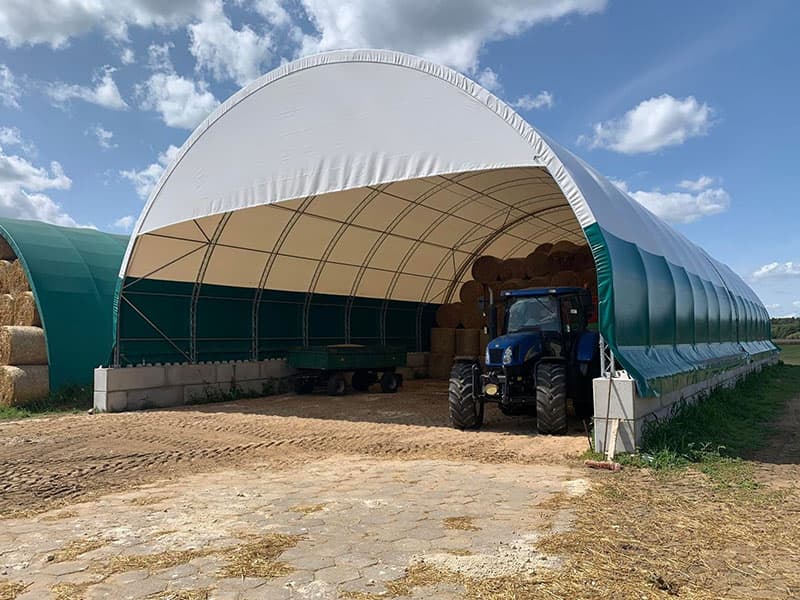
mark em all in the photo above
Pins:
pixel 562 264
pixel 24 374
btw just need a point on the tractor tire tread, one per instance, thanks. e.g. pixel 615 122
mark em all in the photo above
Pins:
pixel 551 398
pixel 464 410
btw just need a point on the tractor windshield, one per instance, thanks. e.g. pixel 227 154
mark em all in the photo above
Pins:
pixel 538 313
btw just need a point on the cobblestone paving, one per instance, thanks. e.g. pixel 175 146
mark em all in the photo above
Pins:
pixel 348 526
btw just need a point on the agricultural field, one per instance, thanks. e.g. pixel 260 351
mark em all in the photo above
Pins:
pixel 369 496
pixel 790 353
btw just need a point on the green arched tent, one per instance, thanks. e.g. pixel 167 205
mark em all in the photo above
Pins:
pixel 73 275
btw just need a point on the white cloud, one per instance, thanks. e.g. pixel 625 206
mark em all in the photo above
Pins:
pixel 273 12
pixel 124 223
pixel 543 99
pixel 489 79
pixel 9 89
pixel 104 137
pixel 452 32
pixel 21 187
pixel 696 185
pixel 127 56
pixel 146 179
pixel 679 207
pixel 796 303
pixel 105 92
pixel 54 22
pixel 653 124
pixel 11 136
pixel 182 102
pixel 225 52
pixel 776 270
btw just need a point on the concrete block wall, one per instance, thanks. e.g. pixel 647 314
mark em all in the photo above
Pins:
pixel 119 389
pixel 617 398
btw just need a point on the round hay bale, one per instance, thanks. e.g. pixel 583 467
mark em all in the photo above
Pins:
pixel 22 346
pixel 587 279
pixel 468 342
pixel 471 318
pixel 537 264
pixel 5 268
pixel 514 284
pixel 539 282
pixel 443 340
pixel 583 258
pixel 25 311
pixel 6 253
pixel 486 269
pixel 17 280
pixel 565 279
pixel 449 315
pixel 19 385
pixel 512 268
pixel 6 309
pixel 562 254
pixel 471 292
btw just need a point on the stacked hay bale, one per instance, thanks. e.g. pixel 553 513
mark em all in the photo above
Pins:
pixel 24 374
pixel 460 325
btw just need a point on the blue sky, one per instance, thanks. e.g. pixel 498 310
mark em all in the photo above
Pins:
pixel 690 106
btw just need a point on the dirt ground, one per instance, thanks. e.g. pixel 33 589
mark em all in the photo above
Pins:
pixel 373 496
pixel 52 461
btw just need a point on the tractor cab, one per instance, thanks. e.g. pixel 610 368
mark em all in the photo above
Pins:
pixel 544 355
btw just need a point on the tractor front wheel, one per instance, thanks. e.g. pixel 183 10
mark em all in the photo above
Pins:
pixel 466 410
pixel 551 398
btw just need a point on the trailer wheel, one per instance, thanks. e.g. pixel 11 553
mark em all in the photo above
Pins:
pixel 466 411
pixel 389 383
pixel 336 385
pixel 362 380
pixel 551 398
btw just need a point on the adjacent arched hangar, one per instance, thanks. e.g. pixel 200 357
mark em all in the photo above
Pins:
pixel 344 196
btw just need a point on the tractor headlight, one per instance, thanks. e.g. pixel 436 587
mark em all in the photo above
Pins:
pixel 508 355
pixel 486 356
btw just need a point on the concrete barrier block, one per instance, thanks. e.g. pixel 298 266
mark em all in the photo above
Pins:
pixel 628 435
pixel 203 392
pixel 224 373
pixel 189 374
pixel 100 379
pixel 247 370
pixel 275 368
pixel 155 398
pixel 252 386
pixel 111 401
pixel 623 402
pixel 131 378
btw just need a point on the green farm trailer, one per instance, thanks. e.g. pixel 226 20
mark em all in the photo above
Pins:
pixel 327 365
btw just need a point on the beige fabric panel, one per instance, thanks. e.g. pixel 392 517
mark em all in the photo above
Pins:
pixel 404 241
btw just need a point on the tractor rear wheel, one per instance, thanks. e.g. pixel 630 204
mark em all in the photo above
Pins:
pixel 551 398
pixel 466 411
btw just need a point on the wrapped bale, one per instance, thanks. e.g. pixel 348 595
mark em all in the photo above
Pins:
pixel 486 269
pixel 6 253
pixel 468 342
pixel 17 280
pixel 6 309
pixel 512 268
pixel 471 292
pixel 439 365
pixel 19 385
pixel 25 311
pixel 22 346
pixel 443 341
pixel 449 315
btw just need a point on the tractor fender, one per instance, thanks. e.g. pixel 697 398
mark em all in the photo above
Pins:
pixel 587 346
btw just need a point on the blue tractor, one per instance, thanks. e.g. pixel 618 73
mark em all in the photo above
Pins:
pixel 545 356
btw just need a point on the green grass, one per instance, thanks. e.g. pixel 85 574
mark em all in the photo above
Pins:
pixel 69 399
pixel 790 354
pixel 717 433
